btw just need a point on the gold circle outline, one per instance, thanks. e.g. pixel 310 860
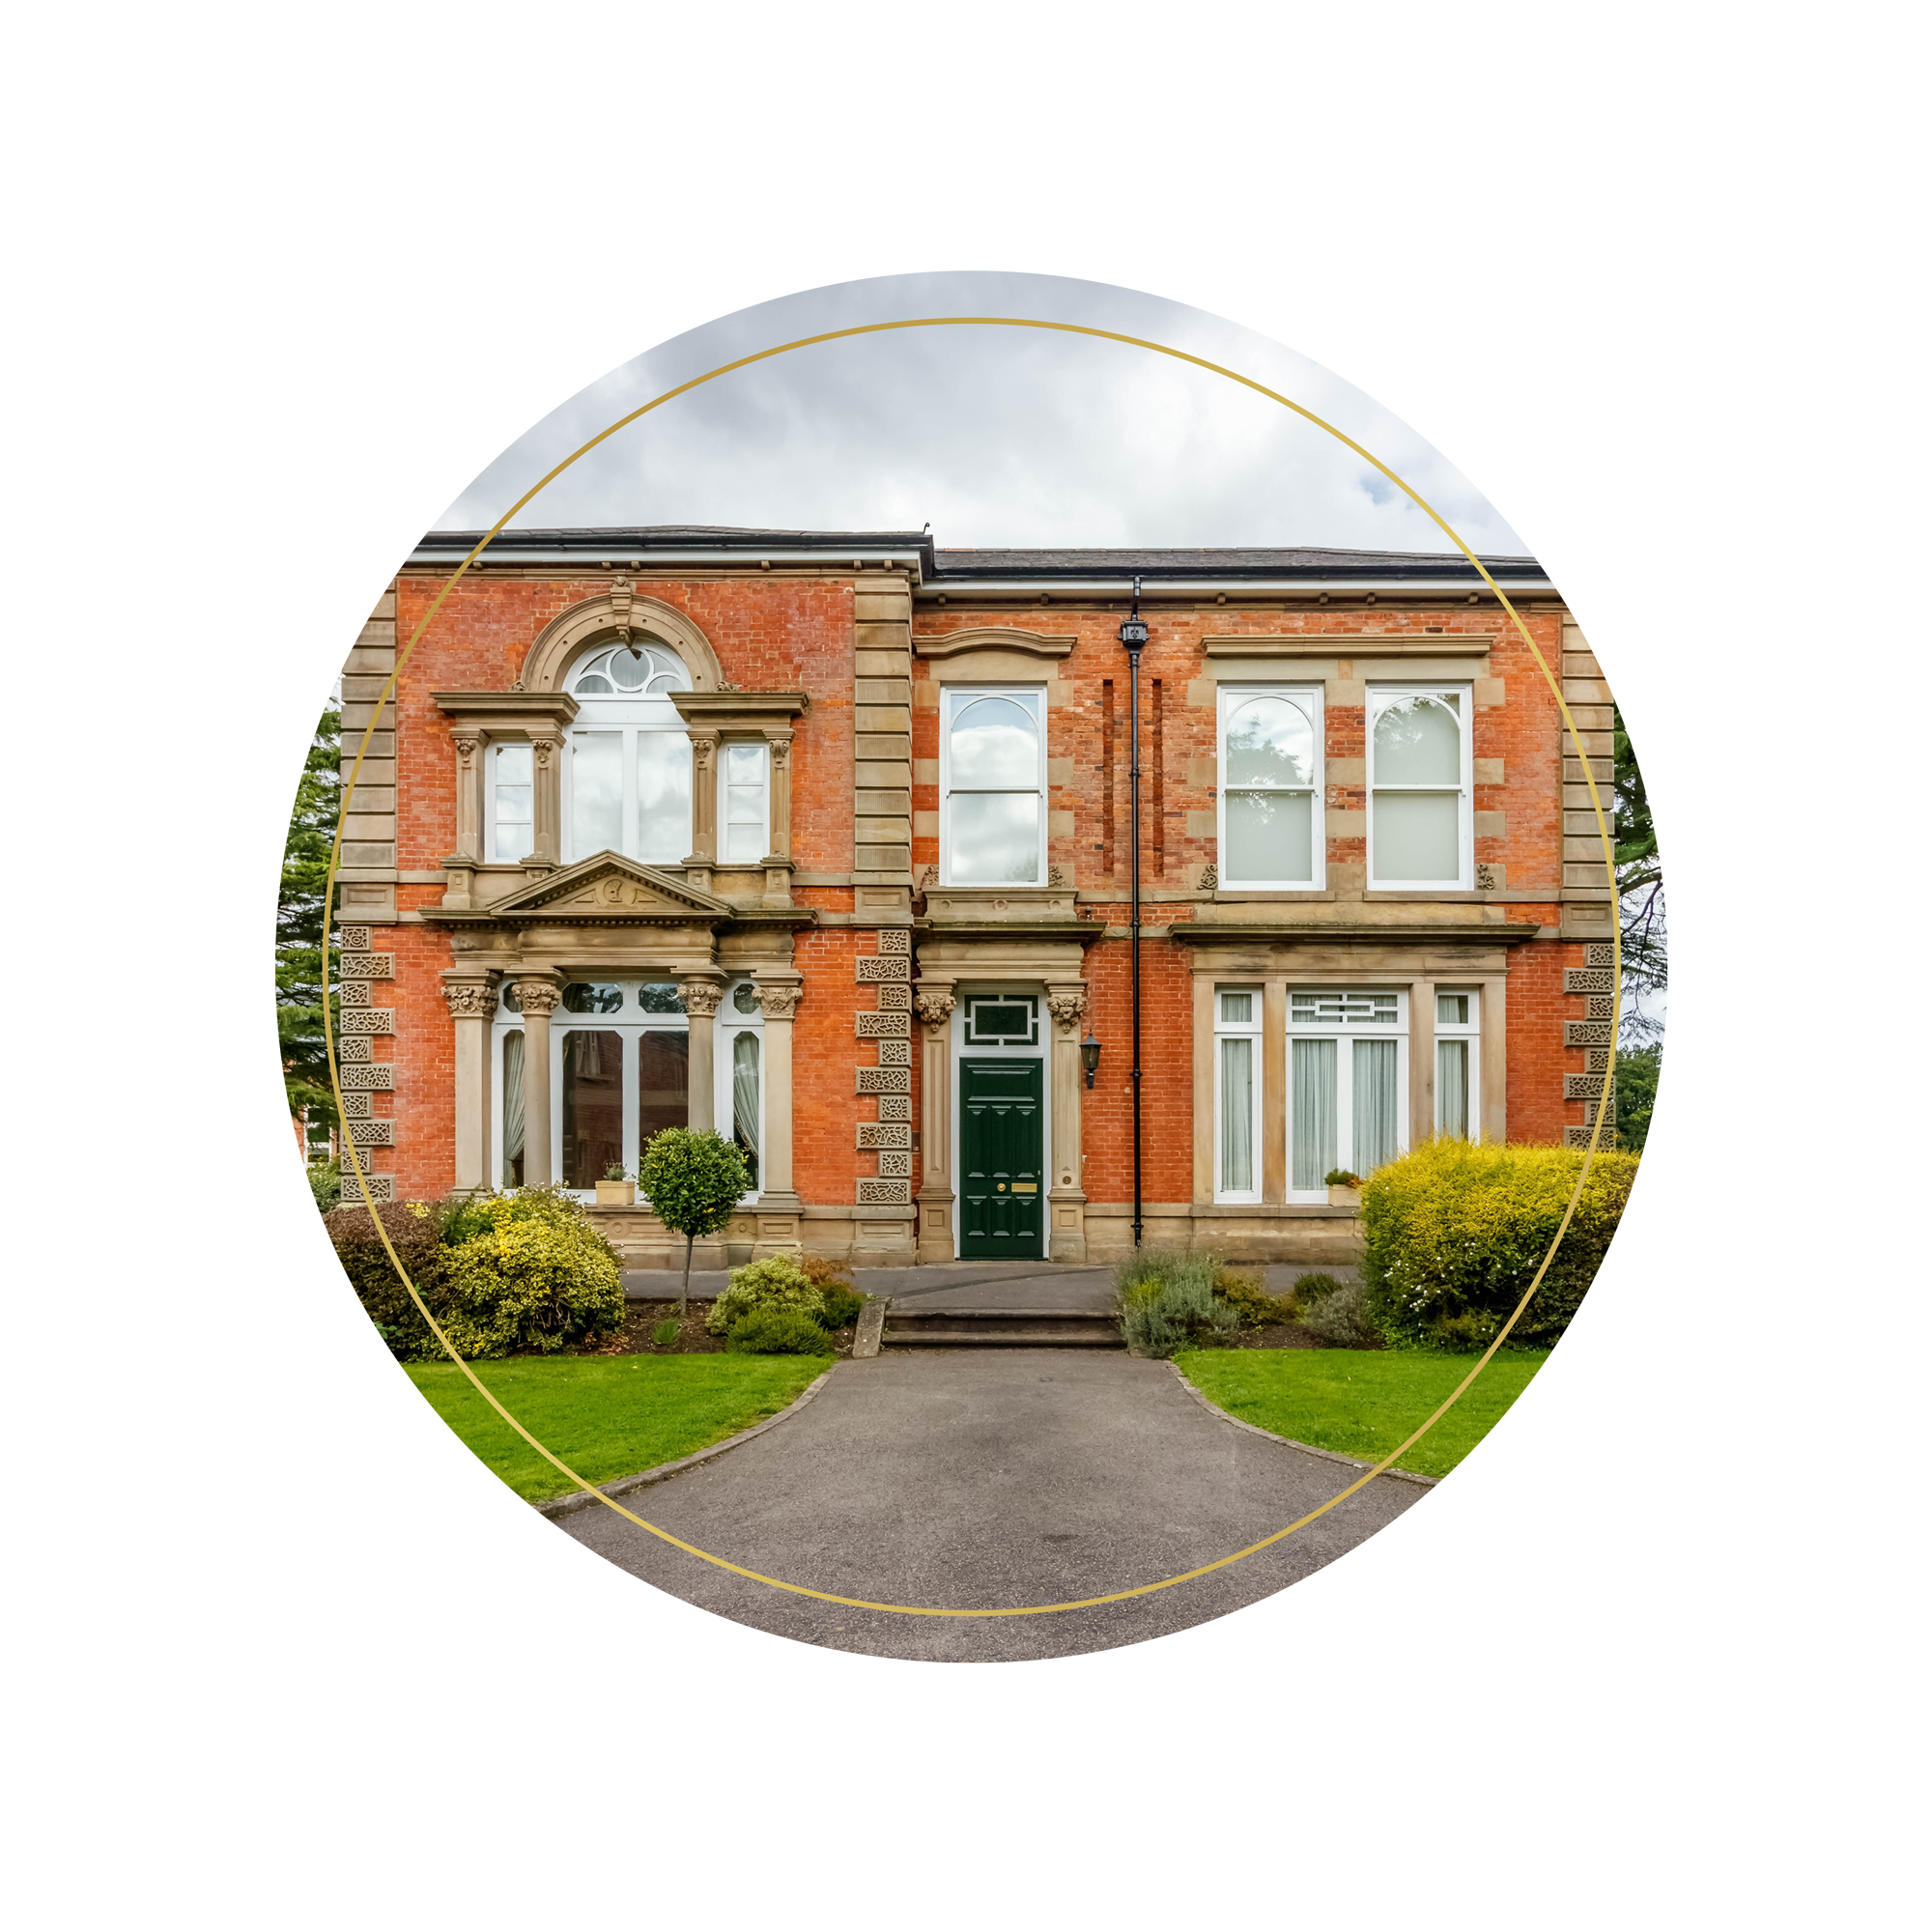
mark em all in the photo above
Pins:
pixel 1569 725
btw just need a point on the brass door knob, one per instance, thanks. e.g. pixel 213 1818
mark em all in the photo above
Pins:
pixel 1001 1185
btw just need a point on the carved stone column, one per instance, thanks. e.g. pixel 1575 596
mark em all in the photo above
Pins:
pixel 704 807
pixel 937 1199
pixel 540 997
pixel 702 997
pixel 547 774
pixel 780 1000
pixel 1066 1193
pixel 778 861
pixel 471 998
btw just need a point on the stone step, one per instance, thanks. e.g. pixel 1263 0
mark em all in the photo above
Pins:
pixel 999 1328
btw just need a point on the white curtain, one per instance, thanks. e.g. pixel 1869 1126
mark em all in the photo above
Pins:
pixel 1237 1115
pixel 513 1104
pixel 1374 1105
pixel 1313 1099
pixel 745 1090
pixel 1452 1087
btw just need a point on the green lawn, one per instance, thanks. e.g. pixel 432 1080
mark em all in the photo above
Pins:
pixel 609 1415
pixel 1359 1402
pixel 330 1431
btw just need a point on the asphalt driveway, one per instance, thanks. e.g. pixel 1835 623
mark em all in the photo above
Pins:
pixel 985 1478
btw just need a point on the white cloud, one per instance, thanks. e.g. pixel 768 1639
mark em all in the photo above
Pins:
pixel 995 436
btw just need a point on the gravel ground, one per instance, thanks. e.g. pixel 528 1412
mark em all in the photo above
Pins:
pixel 449 1589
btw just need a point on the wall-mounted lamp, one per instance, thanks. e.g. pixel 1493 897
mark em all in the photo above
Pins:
pixel 1089 1056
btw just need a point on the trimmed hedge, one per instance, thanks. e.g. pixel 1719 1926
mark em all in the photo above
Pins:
pixel 503 1274
pixel 1455 1232
pixel 778 1331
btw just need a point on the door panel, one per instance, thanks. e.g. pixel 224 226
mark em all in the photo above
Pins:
pixel 1000 1212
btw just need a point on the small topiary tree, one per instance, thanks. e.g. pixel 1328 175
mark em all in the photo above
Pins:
pixel 694 1183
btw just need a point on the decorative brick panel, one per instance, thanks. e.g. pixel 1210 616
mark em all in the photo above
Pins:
pixel 355 993
pixel 896 1053
pixel 368 965
pixel 1602 1007
pixel 1588 980
pixel 370 1078
pixel 1586 1086
pixel 351 1052
pixel 880 1134
pixel 884 1080
pixel 895 939
pixel 369 1019
pixel 895 999
pixel 883 1026
pixel 885 966
pixel 1599 953
pixel 355 938
pixel 382 1187
pixel 895 1107
pixel 1586 1033
pixel 895 1166
pixel 373 1133
pixel 885 1194
pixel 357 1107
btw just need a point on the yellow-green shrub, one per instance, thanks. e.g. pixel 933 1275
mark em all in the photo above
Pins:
pixel 527 1271
pixel 1454 1234
pixel 777 1282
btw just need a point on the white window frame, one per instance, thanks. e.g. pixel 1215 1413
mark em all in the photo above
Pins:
pixel 1307 698
pixel 630 1022
pixel 1378 696
pixel 628 718
pixel 953 697
pixel 491 753
pixel 1471 1031
pixel 1248 1030
pixel 722 818
pixel 1345 1031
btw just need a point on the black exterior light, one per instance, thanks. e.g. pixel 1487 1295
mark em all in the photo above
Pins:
pixel 1089 1056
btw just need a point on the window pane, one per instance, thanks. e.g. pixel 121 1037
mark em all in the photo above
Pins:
pixel 660 996
pixel 745 820
pixel 745 764
pixel 995 742
pixel 583 996
pixel 1238 1102
pixel 1452 1087
pixel 1311 1069
pixel 1238 1008
pixel 1451 1009
pixel 1419 741
pixel 995 837
pixel 1374 1098
pixel 745 1099
pixel 593 1106
pixel 1268 837
pixel 1415 836
pixel 513 1110
pixel 1271 742
pixel 664 797
pixel 745 998
pixel 512 839
pixel 596 792
pixel 663 1083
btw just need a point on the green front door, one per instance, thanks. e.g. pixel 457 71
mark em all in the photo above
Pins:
pixel 1000 1210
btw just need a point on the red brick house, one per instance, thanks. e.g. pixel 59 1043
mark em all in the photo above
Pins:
pixel 822 838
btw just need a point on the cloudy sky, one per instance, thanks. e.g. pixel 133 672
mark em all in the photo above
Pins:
pixel 993 435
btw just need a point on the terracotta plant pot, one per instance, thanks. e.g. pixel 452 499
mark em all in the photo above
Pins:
pixel 616 1194
pixel 1345 1197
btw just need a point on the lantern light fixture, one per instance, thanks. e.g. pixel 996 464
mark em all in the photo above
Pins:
pixel 1089 1056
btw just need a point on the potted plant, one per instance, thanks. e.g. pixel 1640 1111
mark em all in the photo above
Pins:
pixel 1345 1189
pixel 615 1191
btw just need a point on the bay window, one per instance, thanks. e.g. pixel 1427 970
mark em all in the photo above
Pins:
pixel 1421 817
pixel 620 1071
pixel 1458 1039
pixel 1270 788
pixel 1237 1094
pixel 1348 1085
pixel 992 776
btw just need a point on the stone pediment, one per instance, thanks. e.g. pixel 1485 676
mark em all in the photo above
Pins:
pixel 609 886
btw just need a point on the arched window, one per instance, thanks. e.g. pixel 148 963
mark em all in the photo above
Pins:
pixel 627 773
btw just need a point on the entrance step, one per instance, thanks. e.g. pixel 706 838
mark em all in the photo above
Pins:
pixel 912 1327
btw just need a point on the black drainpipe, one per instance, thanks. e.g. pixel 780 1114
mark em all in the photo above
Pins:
pixel 1134 635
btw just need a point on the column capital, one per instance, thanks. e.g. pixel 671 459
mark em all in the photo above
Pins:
pixel 935 1006
pixel 1066 1003
pixel 779 998
pixel 702 997
pixel 470 995
pixel 539 993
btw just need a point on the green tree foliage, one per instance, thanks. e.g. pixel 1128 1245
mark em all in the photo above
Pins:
pixel 1638 1071
pixel 1560 373
pixel 1639 896
pixel 302 976
pixel 386 378
pixel 694 1183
